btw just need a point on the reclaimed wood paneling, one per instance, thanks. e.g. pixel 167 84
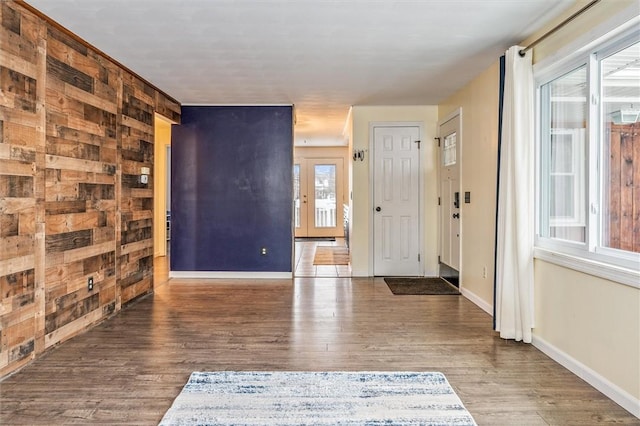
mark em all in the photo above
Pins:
pixel 21 141
pixel 168 108
pixel 135 274
pixel 75 131
pixel 81 107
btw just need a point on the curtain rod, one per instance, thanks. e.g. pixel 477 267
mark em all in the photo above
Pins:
pixel 524 51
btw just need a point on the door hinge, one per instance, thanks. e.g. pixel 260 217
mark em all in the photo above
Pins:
pixel 418 257
pixel 439 201
pixel 438 258
pixel 438 140
pixel 418 142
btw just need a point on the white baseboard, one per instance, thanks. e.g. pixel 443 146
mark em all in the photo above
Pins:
pixel 611 390
pixel 431 273
pixel 477 300
pixel 231 275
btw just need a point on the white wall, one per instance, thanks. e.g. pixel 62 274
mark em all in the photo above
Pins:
pixel 361 239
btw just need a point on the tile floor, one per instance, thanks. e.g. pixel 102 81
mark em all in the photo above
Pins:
pixel 305 250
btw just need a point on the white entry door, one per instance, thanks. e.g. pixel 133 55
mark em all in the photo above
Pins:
pixel 450 196
pixel 396 201
pixel 318 200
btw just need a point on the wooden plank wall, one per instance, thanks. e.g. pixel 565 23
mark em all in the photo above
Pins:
pixel 21 185
pixel 137 149
pixel 624 187
pixel 80 206
pixel 75 129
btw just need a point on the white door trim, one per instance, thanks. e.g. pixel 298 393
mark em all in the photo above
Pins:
pixel 307 176
pixel 420 126
pixel 453 114
pixel 449 117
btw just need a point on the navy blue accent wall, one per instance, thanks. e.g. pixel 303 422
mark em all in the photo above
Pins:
pixel 232 189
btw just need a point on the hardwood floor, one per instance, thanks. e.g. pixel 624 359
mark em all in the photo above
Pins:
pixel 129 369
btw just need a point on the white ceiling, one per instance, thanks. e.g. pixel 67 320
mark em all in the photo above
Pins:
pixel 320 55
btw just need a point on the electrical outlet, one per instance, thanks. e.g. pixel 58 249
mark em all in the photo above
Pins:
pixel 90 283
pixel 263 251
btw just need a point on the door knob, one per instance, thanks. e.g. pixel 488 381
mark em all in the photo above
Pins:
pixel 378 209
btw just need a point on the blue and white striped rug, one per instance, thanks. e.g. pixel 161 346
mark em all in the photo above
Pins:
pixel 307 398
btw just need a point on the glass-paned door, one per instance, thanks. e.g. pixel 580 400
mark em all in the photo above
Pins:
pixel 318 197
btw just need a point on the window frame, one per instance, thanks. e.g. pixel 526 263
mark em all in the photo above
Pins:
pixel 578 158
pixel 589 256
pixel 450 150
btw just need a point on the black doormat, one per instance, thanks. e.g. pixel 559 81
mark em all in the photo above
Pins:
pixel 420 286
pixel 303 239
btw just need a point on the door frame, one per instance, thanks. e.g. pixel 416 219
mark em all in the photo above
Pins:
pixel 459 141
pixel 421 195
pixel 306 165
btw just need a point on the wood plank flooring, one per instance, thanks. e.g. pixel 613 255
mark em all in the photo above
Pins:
pixel 129 369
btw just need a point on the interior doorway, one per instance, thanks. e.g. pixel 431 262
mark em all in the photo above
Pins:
pixel 450 199
pixel 318 200
pixel 161 186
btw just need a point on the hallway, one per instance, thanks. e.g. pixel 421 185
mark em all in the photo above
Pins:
pixel 304 254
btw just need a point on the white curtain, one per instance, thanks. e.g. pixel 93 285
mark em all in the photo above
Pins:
pixel 514 263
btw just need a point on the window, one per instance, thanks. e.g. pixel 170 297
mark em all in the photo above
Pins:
pixel 449 157
pixel 589 155
pixel 564 156
pixel 567 182
pixel 620 95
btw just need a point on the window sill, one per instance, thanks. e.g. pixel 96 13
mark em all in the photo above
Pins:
pixel 599 269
